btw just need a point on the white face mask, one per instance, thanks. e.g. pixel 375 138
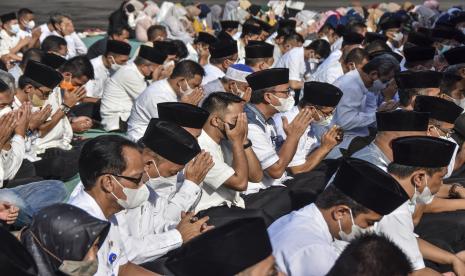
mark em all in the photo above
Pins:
pixel 134 197
pixel 286 104
pixel 188 91
pixel 239 92
pixel 398 37
pixel 377 86
pixel 114 66
pixel 460 102
pixel 424 197
pixel 160 182
pixel 31 24
pixel 355 232
pixel 5 110
pixel 324 120
pixel 15 28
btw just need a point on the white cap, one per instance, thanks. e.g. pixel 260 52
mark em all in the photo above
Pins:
pixel 238 72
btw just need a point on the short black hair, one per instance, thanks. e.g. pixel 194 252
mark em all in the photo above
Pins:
pixel 219 101
pixel 332 196
pixel 357 56
pixel 23 11
pixel 258 96
pixel 103 154
pixel 294 36
pixel 78 66
pixel 383 64
pixel 321 47
pixel 255 61
pixel 153 30
pixel 32 54
pixel 187 69
pixel 118 30
pixel 53 43
pixel 372 255
pixel 377 46
pixel 406 95
pixel 58 17
pixel 220 60
pixel 448 83
pixel 403 171
pixel 23 81
pixel 181 49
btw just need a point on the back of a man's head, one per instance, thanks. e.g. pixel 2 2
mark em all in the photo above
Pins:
pixel 218 102
pixel 101 155
pixel 187 69
pixel 372 255
pixel 78 66
pixel 383 64
pixel 53 43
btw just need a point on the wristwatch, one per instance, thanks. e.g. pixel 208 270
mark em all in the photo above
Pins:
pixel 65 109
pixel 248 145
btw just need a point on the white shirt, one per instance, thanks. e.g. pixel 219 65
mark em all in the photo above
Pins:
pixel 265 148
pixel 331 74
pixel 302 243
pixel 13 158
pixel 94 88
pixel 214 193
pixel 16 72
pixel 276 55
pixel 335 55
pixel 240 47
pixel 398 227
pixel 149 231
pixel 145 107
pixel 373 154
pixel 44 32
pixel 24 33
pixel 111 254
pixel 337 45
pixel 211 73
pixel 307 142
pixel 62 134
pixel 357 108
pixel 7 42
pixel 293 60
pixel 119 94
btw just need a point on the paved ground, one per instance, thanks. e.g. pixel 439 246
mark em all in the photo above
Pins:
pixel 94 13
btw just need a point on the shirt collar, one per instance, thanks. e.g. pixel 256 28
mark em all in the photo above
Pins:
pixel 257 113
pixel 89 204
pixel 320 220
pixel 139 74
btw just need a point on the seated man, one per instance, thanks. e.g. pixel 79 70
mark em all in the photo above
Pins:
pixel 167 148
pixel 412 84
pixel 356 110
pixel 116 55
pixel 31 54
pixel 120 33
pixel 241 247
pixel 309 241
pixel 271 95
pixel 222 55
pixel 199 51
pixel 55 45
pixel 419 58
pixel 235 164
pixel 122 89
pixel 259 55
pixel 419 164
pixel 111 169
pixel 10 43
pixel 50 136
pixel 183 85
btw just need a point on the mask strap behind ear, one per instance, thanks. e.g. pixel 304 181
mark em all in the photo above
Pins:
pixel 156 168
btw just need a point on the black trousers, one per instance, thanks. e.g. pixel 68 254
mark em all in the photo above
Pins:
pixel 222 215
pixel 91 110
pixel 274 202
pixel 59 164
pixel 26 174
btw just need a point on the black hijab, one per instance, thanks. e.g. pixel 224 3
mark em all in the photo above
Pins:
pixel 65 231
pixel 14 258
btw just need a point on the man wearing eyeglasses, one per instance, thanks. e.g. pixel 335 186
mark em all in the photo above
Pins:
pixel 271 95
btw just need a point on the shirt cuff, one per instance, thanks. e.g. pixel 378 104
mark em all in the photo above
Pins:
pixel 189 187
pixel 18 138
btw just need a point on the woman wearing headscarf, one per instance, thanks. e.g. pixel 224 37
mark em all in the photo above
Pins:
pixel 64 240
pixel 14 258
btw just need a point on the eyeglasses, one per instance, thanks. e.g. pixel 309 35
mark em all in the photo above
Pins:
pixel 44 94
pixel 288 92
pixel 134 180
pixel 447 132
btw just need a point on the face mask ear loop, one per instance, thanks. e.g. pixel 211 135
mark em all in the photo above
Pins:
pixel 156 168
pixel 351 217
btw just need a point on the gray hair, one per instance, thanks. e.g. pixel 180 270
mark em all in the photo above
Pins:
pixel 8 79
